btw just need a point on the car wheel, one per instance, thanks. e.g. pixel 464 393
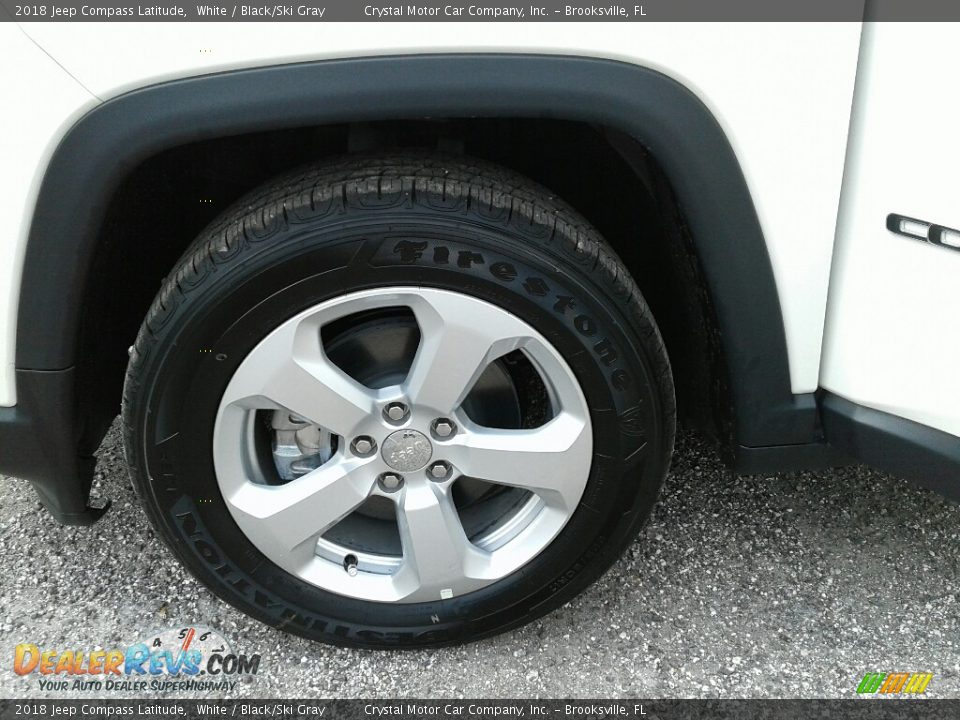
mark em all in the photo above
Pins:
pixel 407 400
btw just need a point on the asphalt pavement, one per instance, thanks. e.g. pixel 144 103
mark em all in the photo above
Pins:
pixel 765 586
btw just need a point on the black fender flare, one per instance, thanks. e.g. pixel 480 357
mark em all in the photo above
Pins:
pixel 97 153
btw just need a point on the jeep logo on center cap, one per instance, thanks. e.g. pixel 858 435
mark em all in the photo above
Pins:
pixel 407 450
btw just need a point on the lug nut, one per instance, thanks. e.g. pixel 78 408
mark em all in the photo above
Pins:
pixel 395 412
pixel 363 445
pixel 443 428
pixel 390 482
pixel 440 470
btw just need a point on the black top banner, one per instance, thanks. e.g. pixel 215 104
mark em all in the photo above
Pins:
pixel 480 11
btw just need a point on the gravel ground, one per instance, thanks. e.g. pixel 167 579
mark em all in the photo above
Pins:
pixel 763 586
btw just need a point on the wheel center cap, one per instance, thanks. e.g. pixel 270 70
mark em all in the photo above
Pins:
pixel 407 450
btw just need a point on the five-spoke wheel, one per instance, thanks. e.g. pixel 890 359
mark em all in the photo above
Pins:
pixel 409 400
pixel 409 442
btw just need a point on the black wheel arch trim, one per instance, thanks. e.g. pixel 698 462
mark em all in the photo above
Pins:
pixel 109 141
pixel 40 441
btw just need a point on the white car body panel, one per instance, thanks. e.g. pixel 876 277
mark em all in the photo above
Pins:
pixel 782 92
pixel 892 336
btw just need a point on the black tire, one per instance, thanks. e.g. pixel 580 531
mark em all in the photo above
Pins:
pixel 346 225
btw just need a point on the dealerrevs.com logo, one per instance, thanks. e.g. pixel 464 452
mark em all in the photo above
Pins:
pixel 189 658
pixel 902 683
